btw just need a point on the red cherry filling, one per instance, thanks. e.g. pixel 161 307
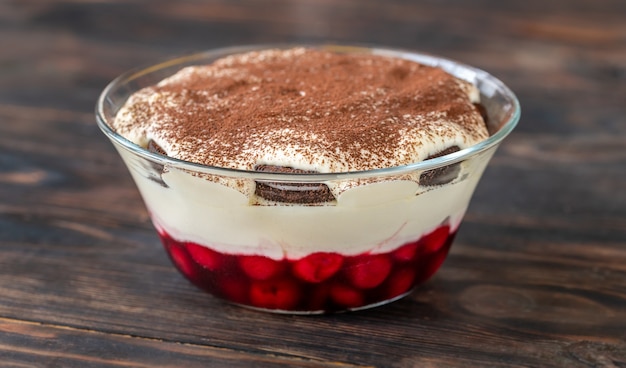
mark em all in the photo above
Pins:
pixel 318 282
pixel 406 253
pixel 259 267
pixel 181 259
pixel 400 282
pixel 436 239
pixel 204 256
pixel 317 267
pixel 368 271
pixel 234 289
pixel 346 296
pixel 275 294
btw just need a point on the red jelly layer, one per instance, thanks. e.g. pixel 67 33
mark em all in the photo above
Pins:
pixel 319 282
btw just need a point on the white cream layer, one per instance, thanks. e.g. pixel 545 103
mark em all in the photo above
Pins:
pixel 373 218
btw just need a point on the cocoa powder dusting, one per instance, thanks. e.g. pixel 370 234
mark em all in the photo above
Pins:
pixel 344 107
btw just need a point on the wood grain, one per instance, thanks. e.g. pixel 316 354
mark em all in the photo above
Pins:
pixel 31 344
pixel 537 277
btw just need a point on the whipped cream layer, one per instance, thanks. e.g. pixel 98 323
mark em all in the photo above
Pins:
pixel 306 109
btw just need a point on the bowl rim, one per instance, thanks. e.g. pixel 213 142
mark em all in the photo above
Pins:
pixel 458 69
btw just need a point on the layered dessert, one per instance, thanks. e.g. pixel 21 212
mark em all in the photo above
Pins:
pixel 328 223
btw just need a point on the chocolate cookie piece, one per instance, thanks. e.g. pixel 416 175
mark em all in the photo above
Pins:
pixel 441 175
pixel 300 193
pixel 155 170
pixel 155 148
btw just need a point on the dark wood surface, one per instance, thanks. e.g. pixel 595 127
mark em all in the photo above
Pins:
pixel 536 278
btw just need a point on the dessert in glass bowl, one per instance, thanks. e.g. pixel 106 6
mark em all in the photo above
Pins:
pixel 307 179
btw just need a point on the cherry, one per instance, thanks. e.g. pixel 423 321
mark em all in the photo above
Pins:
pixel 181 259
pixel 259 267
pixel 346 296
pixel 317 267
pixel 436 239
pixel 368 271
pixel 400 282
pixel 275 294
pixel 204 256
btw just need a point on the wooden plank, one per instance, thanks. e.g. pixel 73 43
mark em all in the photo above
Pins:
pixel 24 344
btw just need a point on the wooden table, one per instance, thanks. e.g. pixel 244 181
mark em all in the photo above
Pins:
pixel 537 276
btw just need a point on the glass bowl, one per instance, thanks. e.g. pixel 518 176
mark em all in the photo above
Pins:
pixel 389 231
